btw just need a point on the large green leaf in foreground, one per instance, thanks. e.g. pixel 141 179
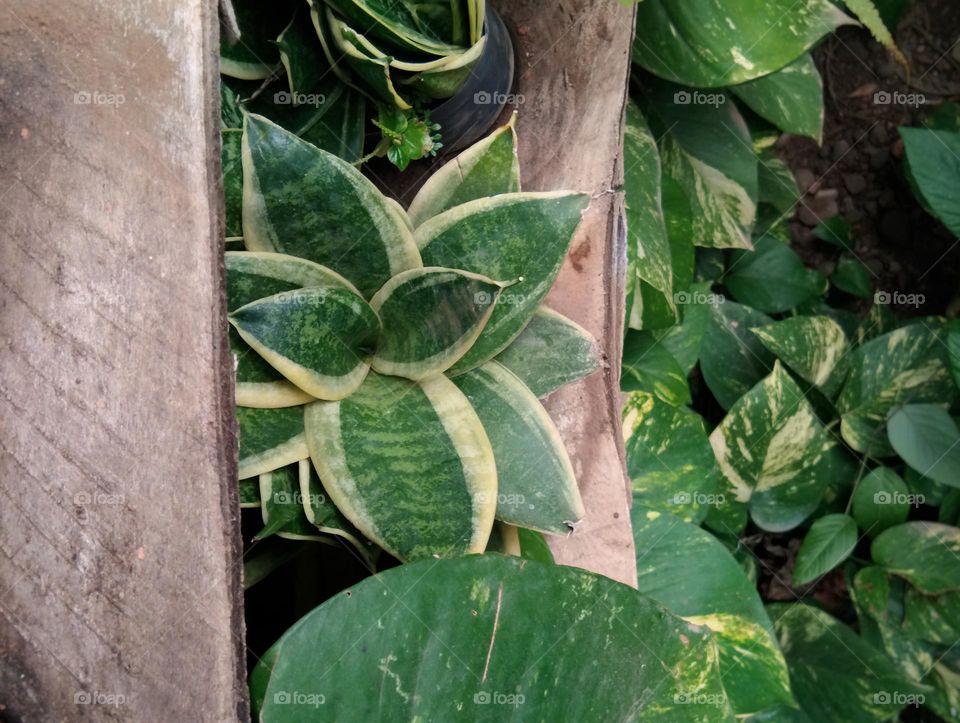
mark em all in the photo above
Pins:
pixel 691 573
pixel 300 200
pixel 551 351
pixel 319 338
pixel 408 464
pixel 835 674
pixel 431 317
pixel 536 485
pixel 775 456
pixel 521 237
pixel 705 43
pixel 492 638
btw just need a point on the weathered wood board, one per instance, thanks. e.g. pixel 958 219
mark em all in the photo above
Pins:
pixel 119 551
pixel 120 592
pixel 573 63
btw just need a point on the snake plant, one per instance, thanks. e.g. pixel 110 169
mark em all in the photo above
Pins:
pixel 386 361
pixel 403 57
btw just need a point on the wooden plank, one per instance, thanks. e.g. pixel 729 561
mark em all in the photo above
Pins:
pixel 573 62
pixel 120 593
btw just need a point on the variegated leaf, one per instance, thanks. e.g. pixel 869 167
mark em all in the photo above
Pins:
pixel 791 98
pixel 909 363
pixel 250 493
pixel 648 366
pixel 645 664
pixel 283 513
pixel 732 358
pixel 259 384
pixel 231 142
pixel 692 574
pixel 374 72
pixel 319 338
pixel 431 317
pixel 410 465
pixel 257 275
pixel 706 151
pixel 324 515
pixel 396 23
pixel 537 488
pixel 301 54
pixel 648 248
pixel 253 55
pixel 705 43
pixel 835 674
pixel 514 236
pixel 269 439
pixel 926 554
pixel 550 352
pixel 488 168
pixel 669 458
pixel 774 455
pixel 815 347
pixel 300 200
pixel 933 618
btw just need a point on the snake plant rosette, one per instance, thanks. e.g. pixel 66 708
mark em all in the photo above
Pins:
pixel 389 363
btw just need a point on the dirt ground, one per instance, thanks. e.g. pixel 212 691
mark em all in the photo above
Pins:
pixel 857 171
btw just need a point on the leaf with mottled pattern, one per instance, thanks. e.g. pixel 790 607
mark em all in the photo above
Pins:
pixel 706 151
pixel 706 43
pixel 815 347
pixel 790 98
pixel 834 673
pixel 732 358
pixel 550 352
pixel 693 575
pixel 774 455
pixel 269 439
pixel 906 364
pixel 487 168
pixel 410 465
pixel 669 458
pixel 536 486
pixel 926 554
pixel 300 200
pixel 318 338
pixel 503 621
pixel 521 237
pixel 431 317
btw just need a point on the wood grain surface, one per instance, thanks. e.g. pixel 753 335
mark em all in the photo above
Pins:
pixel 120 592
pixel 573 64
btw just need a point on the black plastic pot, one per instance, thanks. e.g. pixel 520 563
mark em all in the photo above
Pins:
pixel 467 116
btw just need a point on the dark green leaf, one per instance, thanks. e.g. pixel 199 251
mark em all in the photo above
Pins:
pixel 829 542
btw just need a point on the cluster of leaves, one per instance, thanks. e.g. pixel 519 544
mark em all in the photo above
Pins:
pixel 313 67
pixel 393 405
pixel 836 427
pixel 400 351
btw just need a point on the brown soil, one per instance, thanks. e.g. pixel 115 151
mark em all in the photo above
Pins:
pixel 857 172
